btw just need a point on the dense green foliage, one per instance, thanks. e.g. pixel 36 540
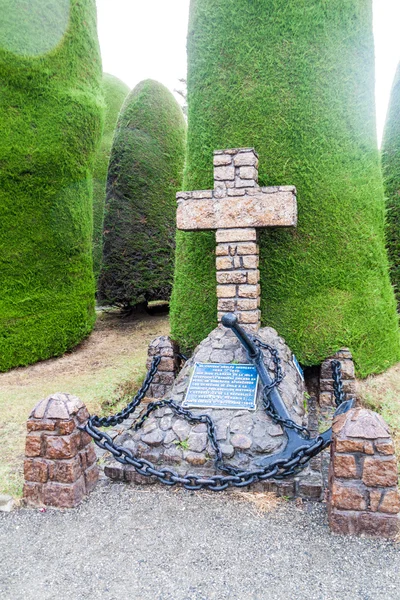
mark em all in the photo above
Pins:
pixel 145 172
pixel 391 175
pixel 50 127
pixel 115 92
pixel 296 81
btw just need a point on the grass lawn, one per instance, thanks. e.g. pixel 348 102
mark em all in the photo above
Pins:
pixel 104 371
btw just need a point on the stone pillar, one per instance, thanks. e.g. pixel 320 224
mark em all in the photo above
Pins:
pixel 237 251
pixel 168 368
pixel 60 461
pixel 326 396
pixel 363 496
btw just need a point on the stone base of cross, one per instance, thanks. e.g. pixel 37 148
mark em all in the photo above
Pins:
pixel 236 208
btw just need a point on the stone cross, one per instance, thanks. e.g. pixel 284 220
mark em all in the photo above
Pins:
pixel 236 208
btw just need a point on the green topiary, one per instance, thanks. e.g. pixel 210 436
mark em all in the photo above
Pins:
pixel 296 81
pixel 50 126
pixel 391 175
pixel 115 92
pixel 145 172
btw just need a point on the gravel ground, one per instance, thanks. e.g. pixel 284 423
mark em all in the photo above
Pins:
pixel 160 544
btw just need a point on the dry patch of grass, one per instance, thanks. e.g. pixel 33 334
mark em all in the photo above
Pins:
pixel 263 502
pixel 104 371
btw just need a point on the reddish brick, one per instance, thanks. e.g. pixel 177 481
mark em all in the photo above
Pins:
pixel 82 415
pixel 363 523
pixel 369 448
pixel 378 525
pixel 347 497
pixel 374 499
pixel 390 502
pixel 40 425
pixel 91 457
pixel 66 427
pixel 35 469
pixel 91 478
pixel 344 465
pixel 62 446
pixel 65 471
pixel 32 493
pixel 84 439
pixel 33 445
pixel 380 472
pixel 385 448
pixel 64 495
pixel 349 446
pixel 166 364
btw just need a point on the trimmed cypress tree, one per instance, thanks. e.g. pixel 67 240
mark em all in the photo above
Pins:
pixel 50 126
pixel 115 92
pixel 296 81
pixel 391 175
pixel 145 172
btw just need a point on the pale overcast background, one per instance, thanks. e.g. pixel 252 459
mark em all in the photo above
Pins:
pixel 141 40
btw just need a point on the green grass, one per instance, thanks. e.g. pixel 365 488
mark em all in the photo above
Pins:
pixel 295 80
pixel 50 125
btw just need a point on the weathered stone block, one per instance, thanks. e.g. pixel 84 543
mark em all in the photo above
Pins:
pixel 35 469
pixel 232 277
pixel 222 160
pixel 250 262
pixel 61 447
pixel 248 234
pixel 224 173
pixel 244 159
pixel 224 263
pixel 226 291
pixel 379 472
pixel 33 445
pixel 344 465
pixel 348 497
pixel 65 471
pixel 249 291
pixel 64 495
pixel 248 173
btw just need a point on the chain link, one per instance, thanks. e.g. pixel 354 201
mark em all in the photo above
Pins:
pixel 337 382
pixel 277 469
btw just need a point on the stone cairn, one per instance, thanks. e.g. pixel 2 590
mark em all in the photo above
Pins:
pixel 167 369
pixel 60 461
pixel 363 495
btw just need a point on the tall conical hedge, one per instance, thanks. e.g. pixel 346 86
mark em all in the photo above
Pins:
pixel 296 81
pixel 144 174
pixel 50 126
pixel 391 175
pixel 115 92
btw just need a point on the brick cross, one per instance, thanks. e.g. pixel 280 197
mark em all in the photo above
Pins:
pixel 236 208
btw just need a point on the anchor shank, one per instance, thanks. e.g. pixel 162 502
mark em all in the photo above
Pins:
pixel 256 357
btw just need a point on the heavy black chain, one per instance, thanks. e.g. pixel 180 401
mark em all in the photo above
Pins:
pixel 277 469
pixel 279 375
pixel 337 382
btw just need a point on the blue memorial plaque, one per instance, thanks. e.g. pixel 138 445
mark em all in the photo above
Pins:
pixel 222 386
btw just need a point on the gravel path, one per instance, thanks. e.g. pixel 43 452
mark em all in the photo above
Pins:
pixel 157 544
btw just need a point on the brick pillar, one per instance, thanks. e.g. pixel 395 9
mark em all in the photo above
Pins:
pixel 60 461
pixel 363 496
pixel 168 368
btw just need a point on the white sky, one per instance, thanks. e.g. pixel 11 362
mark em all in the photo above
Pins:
pixel 142 40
